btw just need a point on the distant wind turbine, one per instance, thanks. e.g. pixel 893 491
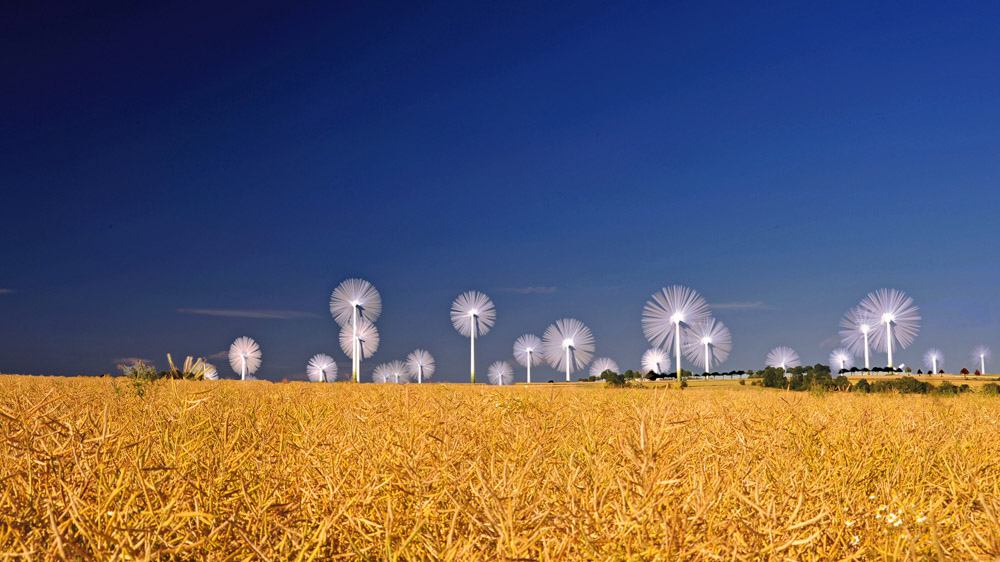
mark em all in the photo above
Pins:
pixel 321 368
pixel 420 364
pixel 473 314
pixel 710 341
pixel 601 365
pixel 500 373
pixel 980 355
pixel 568 345
pixel 393 371
pixel 244 357
pixel 528 352
pixel 933 359
pixel 841 359
pixel 783 357
pixel 671 310
pixel 655 360
pixel 352 302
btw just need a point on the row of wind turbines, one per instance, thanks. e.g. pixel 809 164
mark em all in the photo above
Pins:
pixel 676 318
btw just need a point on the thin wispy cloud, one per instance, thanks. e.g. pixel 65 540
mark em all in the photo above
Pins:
pixel 249 313
pixel 220 355
pixel 130 360
pixel 529 290
pixel 830 342
pixel 741 305
pixel 6 291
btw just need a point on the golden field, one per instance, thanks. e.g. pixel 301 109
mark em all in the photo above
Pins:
pixel 260 471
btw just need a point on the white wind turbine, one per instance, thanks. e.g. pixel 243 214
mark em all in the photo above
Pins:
pixel 420 364
pixel 603 364
pixel 528 352
pixel 709 340
pixel 655 360
pixel 841 359
pixel 568 345
pixel 359 341
pixel 933 359
pixel 858 325
pixel 980 355
pixel 321 368
pixel 500 373
pixel 351 303
pixel 895 310
pixel 783 358
pixel 244 356
pixel 473 314
pixel 398 372
pixel 671 310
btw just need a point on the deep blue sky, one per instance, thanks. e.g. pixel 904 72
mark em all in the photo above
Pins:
pixel 784 159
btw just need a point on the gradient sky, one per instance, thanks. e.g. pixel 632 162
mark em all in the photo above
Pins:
pixel 174 175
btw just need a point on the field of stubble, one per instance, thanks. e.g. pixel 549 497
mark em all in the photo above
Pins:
pixel 260 471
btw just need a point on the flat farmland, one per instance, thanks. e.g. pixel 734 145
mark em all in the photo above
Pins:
pixel 99 468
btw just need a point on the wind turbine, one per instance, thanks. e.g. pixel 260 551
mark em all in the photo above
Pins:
pixel 354 301
pixel 568 345
pixel 420 364
pixel 359 341
pixel 528 352
pixel 655 360
pixel 709 339
pixel 783 358
pixel 321 368
pixel 980 355
pixel 932 359
pixel 893 309
pixel 244 356
pixel 603 364
pixel 500 373
pixel 473 315
pixel 841 359
pixel 859 325
pixel 671 310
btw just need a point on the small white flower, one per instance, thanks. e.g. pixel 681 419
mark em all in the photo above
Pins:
pixel 855 539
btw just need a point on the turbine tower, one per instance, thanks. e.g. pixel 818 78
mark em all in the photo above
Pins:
pixel 841 359
pixel 500 373
pixel 980 355
pixel 354 301
pixel 420 364
pixel 473 314
pixel 568 345
pixel 528 352
pixel 601 365
pixel 244 357
pixel 932 359
pixel 655 360
pixel 708 340
pixel 671 310
pixel 858 326
pixel 893 309
pixel 359 341
pixel 321 368
pixel 783 358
